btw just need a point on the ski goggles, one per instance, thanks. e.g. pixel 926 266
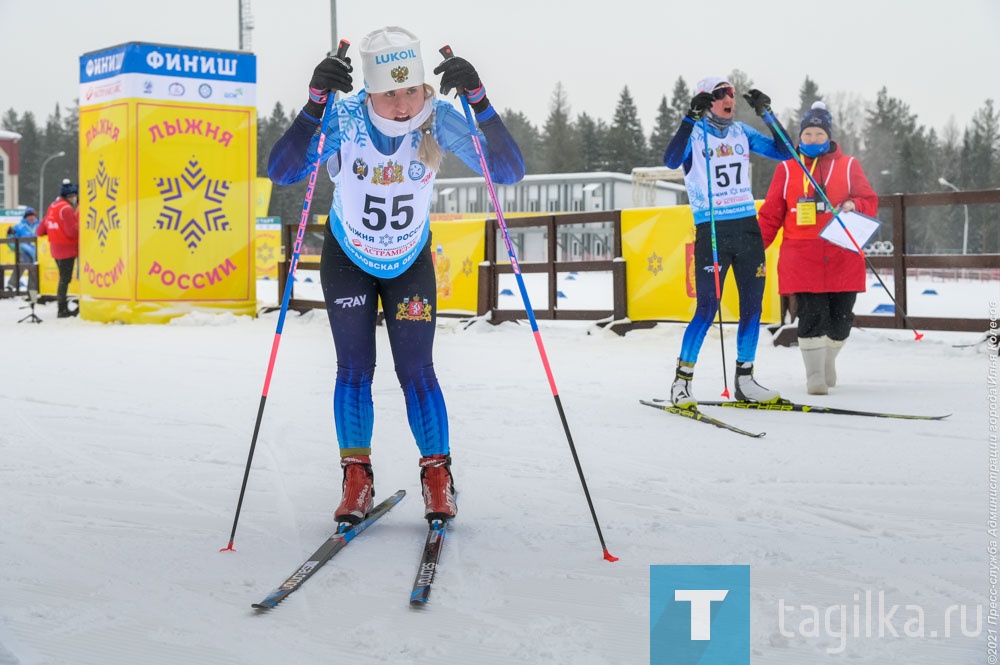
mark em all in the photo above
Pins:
pixel 723 91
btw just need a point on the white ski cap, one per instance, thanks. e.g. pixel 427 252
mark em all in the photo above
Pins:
pixel 709 84
pixel 390 59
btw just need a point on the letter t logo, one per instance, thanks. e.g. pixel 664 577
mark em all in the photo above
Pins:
pixel 701 609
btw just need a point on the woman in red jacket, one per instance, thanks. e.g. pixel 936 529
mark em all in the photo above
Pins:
pixel 62 226
pixel 824 278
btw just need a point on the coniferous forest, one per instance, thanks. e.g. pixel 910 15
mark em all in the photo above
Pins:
pixel 898 153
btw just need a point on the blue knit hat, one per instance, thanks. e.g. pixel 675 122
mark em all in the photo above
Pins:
pixel 68 189
pixel 817 116
pixel 28 212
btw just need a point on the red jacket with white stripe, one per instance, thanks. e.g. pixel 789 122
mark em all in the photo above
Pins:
pixel 62 226
pixel 807 263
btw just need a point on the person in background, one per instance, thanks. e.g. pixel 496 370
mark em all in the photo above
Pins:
pixel 383 150
pixel 62 226
pixel 27 253
pixel 737 235
pixel 823 277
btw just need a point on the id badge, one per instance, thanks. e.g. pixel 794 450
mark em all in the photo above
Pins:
pixel 806 212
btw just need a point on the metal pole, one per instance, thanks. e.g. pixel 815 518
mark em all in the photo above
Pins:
pixel 41 182
pixel 965 231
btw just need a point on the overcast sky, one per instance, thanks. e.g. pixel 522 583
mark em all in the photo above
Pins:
pixel 937 57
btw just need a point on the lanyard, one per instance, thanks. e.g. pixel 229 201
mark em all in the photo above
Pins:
pixel 805 180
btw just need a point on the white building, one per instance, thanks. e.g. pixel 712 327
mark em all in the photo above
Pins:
pixel 10 168
pixel 557 192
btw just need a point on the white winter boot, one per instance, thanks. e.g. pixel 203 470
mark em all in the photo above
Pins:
pixel 833 347
pixel 814 355
pixel 681 394
pixel 747 388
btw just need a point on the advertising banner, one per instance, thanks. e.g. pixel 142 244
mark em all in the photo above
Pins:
pixel 269 250
pixel 458 249
pixel 658 248
pixel 167 170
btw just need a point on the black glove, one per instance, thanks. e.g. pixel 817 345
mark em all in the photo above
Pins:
pixel 699 104
pixel 760 102
pixel 457 73
pixel 331 74
pixel 460 75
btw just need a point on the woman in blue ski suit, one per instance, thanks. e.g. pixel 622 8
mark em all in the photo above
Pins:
pixel 737 234
pixel 383 149
pixel 26 228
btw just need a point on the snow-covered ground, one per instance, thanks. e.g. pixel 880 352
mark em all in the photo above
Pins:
pixel 123 447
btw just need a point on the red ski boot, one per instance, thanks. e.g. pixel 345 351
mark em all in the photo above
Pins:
pixel 438 487
pixel 359 489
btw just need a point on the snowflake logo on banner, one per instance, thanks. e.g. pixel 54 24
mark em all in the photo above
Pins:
pixel 102 204
pixel 654 263
pixel 192 204
pixel 265 253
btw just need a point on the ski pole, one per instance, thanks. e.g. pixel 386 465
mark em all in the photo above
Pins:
pixel 474 133
pixel 303 220
pixel 768 117
pixel 715 259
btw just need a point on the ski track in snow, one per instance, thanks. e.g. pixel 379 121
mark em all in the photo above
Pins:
pixel 121 462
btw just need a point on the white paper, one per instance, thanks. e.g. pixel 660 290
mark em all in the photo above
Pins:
pixel 862 228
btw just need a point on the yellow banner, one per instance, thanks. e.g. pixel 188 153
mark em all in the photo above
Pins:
pixel 48 272
pixel 195 237
pixel 6 251
pixel 658 248
pixel 268 249
pixel 104 202
pixel 458 248
pixel 262 196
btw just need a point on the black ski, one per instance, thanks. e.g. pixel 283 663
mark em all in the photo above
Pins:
pixel 326 551
pixel 695 414
pixel 786 405
pixel 436 530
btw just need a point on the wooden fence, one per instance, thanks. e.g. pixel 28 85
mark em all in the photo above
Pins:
pixel 899 265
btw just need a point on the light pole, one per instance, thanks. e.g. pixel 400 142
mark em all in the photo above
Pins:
pixel 41 182
pixel 965 232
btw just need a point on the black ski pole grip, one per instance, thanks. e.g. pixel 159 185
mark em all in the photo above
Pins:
pixel 342 48
pixel 446 52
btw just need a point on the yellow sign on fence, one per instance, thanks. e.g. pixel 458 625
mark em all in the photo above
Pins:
pixel 658 248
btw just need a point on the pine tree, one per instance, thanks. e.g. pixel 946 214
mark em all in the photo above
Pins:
pixel 666 126
pixel 848 114
pixel 61 134
pixel 591 137
pixel 30 150
pixel 980 162
pixel 626 141
pixel 808 93
pixel 680 100
pixel 560 149
pixel 897 151
pixel 526 137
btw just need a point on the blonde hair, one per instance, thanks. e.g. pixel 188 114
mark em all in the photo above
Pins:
pixel 429 151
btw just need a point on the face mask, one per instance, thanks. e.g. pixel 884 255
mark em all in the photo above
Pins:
pixel 397 127
pixel 720 123
pixel 814 150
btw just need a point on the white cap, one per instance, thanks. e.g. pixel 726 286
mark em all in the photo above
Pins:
pixel 709 84
pixel 390 59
